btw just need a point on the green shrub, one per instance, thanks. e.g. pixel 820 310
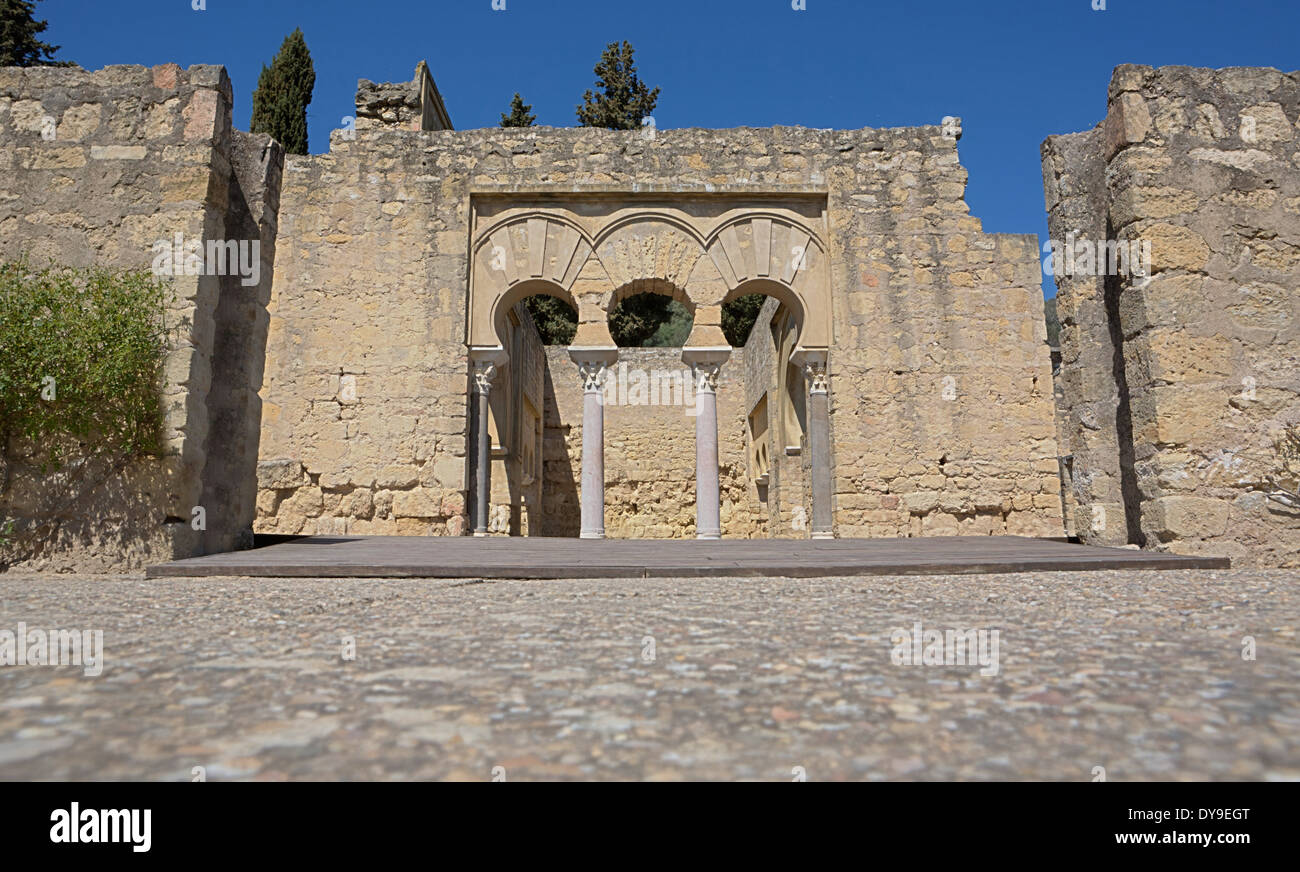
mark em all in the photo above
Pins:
pixel 81 361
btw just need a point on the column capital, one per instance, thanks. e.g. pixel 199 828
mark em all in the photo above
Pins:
pixel 815 366
pixel 484 372
pixel 819 380
pixel 593 373
pixel 484 365
pixel 706 365
pixel 706 377
pixel 593 365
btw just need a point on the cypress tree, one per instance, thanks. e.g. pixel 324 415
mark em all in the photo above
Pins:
pixel 283 92
pixel 624 100
pixel 19 28
pixel 520 114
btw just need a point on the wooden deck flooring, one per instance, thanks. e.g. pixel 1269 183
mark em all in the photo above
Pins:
pixel 500 557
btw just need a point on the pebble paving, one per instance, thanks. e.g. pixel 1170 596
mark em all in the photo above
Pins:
pixel 1144 674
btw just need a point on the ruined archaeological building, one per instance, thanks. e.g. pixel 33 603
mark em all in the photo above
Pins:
pixel 380 375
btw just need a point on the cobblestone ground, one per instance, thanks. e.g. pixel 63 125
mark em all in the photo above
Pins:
pixel 1141 673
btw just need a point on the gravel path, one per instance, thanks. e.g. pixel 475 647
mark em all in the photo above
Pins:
pixel 1141 673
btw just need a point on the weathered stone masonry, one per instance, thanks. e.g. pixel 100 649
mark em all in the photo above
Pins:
pixel 393 268
pixel 94 169
pixel 1176 385
pixel 939 390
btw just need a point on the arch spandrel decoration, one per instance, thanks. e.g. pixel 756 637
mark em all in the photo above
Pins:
pixel 644 252
pixel 592 266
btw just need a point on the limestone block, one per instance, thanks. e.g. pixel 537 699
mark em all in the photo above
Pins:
pixel 1128 122
pixel 1265 123
pixel 417 503
pixel 278 474
pixel 1184 517
pixel 79 122
pixel 1175 247
pixel 118 152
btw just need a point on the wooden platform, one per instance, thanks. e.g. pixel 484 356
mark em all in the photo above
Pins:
pixel 501 557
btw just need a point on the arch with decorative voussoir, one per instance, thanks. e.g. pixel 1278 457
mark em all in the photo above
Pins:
pixel 703 263
pixel 645 251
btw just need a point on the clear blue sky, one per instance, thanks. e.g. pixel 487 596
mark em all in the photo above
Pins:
pixel 1015 70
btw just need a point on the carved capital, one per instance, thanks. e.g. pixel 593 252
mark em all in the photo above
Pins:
pixel 706 376
pixel 819 379
pixel 593 373
pixel 484 372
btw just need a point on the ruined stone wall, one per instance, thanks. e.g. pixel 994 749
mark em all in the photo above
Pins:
pixel 1174 442
pixel 1091 371
pixel 942 417
pixel 516 432
pixel 413 105
pixel 96 167
pixel 365 391
pixel 940 385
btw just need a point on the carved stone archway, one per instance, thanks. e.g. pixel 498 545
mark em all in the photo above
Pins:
pixel 594 250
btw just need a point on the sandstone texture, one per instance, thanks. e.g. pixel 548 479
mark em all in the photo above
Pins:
pixel 334 395
pixel 1176 386
pixel 401 247
pixel 95 168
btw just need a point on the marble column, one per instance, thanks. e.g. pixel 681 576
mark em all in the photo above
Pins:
pixel 706 366
pixel 593 367
pixel 819 442
pixel 484 369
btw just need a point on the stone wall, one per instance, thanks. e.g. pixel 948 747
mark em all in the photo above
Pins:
pixel 776 424
pixel 413 105
pixel 95 168
pixel 942 419
pixel 1178 383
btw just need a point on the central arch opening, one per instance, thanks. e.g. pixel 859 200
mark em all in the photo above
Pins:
pixel 650 313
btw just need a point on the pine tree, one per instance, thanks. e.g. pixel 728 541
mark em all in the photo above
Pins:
pixel 520 114
pixel 624 100
pixel 283 92
pixel 19 46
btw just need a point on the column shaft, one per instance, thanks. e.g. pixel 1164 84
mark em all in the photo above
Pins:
pixel 484 370
pixel 593 463
pixel 819 441
pixel 593 366
pixel 708 521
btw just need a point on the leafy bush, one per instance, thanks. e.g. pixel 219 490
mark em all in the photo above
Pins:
pixel 1285 480
pixel 81 357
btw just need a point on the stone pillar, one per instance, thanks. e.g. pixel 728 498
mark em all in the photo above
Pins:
pixel 484 366
pixel 706 365
pixel 819 441
pixel 593 366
